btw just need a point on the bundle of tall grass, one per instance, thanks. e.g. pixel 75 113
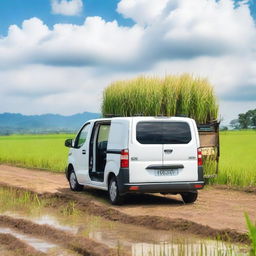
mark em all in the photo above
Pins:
pixel 169 96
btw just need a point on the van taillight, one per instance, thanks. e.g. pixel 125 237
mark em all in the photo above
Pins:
pixel 199 157
pixel 124 161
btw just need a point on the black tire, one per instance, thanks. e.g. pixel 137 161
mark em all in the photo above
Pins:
pixel 113 191
pixel 189 197
pixel 73 183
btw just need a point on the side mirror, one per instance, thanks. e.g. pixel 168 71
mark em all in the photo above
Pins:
pixel 69 143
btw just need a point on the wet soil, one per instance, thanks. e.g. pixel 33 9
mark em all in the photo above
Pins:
pixel 218 211
pixel 79 244
pixel 12 244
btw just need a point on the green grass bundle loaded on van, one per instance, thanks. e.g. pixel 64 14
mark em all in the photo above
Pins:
pixel 169 96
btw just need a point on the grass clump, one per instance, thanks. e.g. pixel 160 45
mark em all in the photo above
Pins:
pixel 12 199
pixel 168 96
pixel 252 234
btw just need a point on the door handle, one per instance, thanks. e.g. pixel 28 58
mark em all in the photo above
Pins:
pixel 168 151
pixel 83 151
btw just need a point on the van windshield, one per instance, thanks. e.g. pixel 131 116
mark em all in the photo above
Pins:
pixel 163 133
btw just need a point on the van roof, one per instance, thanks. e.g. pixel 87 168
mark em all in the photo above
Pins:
pixel 159 118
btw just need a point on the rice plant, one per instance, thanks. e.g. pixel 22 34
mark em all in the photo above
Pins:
pixel 252 234
pixel 169 96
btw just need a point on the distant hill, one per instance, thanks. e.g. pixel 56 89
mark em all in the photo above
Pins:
pixel 18 123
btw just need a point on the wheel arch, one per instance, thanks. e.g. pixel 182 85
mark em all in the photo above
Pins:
pixel 110 176
pixel 69 170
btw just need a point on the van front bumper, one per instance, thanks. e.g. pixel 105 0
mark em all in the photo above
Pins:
pixel 170 187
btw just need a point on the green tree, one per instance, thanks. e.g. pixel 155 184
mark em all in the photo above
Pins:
pixel 244 120
pixel 235 124
pixel 252 116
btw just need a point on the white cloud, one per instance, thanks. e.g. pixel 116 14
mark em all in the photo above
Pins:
pixel 71 64
pixel 95 43
pixel 142 11
pixel 67 7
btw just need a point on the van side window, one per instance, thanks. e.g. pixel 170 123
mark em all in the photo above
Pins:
pixel 163 133
pixel 103 136
pixel 82 136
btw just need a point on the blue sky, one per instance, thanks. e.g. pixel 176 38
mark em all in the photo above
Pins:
pixel 68 51
pixel 16 11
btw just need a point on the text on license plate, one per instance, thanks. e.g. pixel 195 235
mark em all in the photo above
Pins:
pixel 173 172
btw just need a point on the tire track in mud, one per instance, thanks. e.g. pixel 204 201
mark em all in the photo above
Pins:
pixel 153 222
pixel 12 243
pixel 79 244
pixel 88 205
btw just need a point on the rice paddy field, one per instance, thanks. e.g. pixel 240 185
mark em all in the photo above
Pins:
pixel 35 151
pixel 237 161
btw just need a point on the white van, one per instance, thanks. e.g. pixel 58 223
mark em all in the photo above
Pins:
pixel 137 154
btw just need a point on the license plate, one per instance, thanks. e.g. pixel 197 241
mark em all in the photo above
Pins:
pixel 173 172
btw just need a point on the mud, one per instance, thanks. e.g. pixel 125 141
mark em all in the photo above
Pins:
pixel 78 244
pixel 13 244
pixel 88 206
pixel 217 213
pixel 153 222
pixel 38 244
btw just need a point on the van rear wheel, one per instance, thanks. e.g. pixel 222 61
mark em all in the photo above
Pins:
pixel 189 197
pixel 73 183
pixel 113 191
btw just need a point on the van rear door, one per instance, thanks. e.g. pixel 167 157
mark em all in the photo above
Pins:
pixel 144 150
pixel 179 151
pixel 163 150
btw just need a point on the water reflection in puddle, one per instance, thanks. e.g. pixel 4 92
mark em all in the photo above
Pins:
pixel 36 243
pixel 137 240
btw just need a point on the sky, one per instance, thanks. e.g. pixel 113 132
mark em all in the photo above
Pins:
pixel 57 56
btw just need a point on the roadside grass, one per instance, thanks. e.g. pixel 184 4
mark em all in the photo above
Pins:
pixel 14 199
pixel 237 154
pixel 252 233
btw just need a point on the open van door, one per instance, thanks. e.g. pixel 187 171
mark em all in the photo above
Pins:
pixel 210 145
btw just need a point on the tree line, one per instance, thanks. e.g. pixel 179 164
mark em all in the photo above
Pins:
pixel 245 120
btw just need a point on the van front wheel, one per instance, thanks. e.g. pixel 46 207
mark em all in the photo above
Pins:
pixel 73 183
pixel 189 197
pixel 113 192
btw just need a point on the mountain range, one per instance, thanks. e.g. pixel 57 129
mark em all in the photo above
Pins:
pixel 18 123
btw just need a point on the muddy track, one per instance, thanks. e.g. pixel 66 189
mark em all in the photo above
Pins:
pixel 218 211
pixel 153 222
pixel 79 244
pixel 13 244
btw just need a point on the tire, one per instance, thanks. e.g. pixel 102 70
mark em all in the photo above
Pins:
pixel 73 183
pixel 189 197
pixel 113 191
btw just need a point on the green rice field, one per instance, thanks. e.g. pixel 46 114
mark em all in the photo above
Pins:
pixel 35 151
pixel 237 158
pixel 237 161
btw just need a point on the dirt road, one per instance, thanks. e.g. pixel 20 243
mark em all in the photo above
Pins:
pixel 216 208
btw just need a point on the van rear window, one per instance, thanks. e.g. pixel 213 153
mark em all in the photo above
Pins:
pixel 163 133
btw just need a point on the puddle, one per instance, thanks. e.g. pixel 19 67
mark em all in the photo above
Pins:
pixel 36 243
pixel 45 219
pixel 134 239
pixel 137 240
pixel 160 243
